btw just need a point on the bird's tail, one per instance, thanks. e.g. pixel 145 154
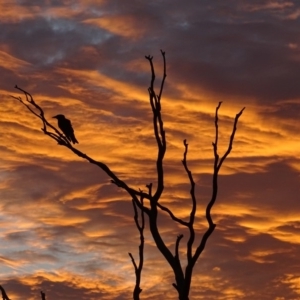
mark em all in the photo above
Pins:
pixel 74 140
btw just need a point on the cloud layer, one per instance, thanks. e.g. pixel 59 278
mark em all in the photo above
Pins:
pixel 65 229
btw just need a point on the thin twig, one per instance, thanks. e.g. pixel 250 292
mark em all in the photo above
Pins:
pixel 194 204
pixel 211 225
pixel 179 237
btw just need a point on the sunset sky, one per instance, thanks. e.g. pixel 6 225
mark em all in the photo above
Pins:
pixel 65 229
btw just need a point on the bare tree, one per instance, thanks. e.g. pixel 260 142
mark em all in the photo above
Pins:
pixel 183 275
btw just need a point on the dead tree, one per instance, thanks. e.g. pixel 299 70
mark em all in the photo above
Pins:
pixel 183 275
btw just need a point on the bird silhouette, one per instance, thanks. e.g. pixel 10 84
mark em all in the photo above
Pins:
pixel 65 126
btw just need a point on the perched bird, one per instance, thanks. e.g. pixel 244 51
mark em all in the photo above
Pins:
pixel 66 127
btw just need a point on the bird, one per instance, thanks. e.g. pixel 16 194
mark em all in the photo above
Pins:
pixel 65 126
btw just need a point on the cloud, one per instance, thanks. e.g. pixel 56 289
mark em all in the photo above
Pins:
pixel 66 229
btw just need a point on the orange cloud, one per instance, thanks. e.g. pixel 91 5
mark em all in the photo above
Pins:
pixel 124 25
pixel 12 63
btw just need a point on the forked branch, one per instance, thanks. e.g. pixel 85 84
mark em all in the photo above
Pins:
pixel 55 134
pixel 138 268
pixel 183 279
pixel 158 125
pixel 217 165
pixel 194 204
pixel 30 104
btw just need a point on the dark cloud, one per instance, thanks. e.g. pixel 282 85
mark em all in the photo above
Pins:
pixel 66 290
pixel 251 266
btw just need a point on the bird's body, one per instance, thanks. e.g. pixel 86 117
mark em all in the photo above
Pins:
pixel 65 126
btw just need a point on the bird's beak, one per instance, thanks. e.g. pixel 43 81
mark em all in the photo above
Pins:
pixel 54 117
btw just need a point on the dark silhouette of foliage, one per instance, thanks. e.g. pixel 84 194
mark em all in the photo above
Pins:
pixel 183 275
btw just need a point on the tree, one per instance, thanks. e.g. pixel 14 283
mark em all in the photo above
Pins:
pixel 183 275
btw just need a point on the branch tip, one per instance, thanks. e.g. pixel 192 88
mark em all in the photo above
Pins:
pixel 175 286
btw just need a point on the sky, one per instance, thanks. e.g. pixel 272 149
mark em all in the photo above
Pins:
pixel 65 229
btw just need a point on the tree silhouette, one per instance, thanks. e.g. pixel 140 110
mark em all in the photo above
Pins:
pixel 43 295
pixel 138 268
pixel 5 297
pixel 3 294
pixel 183 275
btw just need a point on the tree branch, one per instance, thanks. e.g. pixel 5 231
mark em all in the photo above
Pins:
pixel 3 293
pixel 164 75
pixel 183 280
pixel 159 133
pixel 158 126
pixel 179 237
pixel 194 204
pixel 231 139
pixel 138 269
pixel 56 135
pixel 63 141
pixel 43 295
pixel 173 217
pixel 217 166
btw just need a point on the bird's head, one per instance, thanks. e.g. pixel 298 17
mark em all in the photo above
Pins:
pixel 59 117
